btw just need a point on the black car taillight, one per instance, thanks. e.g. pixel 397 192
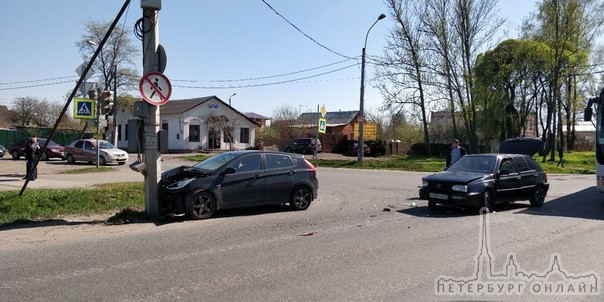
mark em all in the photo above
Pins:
pixel 311 167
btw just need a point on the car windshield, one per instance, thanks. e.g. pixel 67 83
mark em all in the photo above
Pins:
pixel 482 164
pixel 106 145
pixel 216 161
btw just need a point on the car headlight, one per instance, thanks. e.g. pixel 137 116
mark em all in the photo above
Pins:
pixel 460 188
pixel 180 184
pixel 424 183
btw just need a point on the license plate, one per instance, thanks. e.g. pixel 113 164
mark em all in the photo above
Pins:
pixel 439 196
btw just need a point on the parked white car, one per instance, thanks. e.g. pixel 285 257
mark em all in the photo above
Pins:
pixel 86 150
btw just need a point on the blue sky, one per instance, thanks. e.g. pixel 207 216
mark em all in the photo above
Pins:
pixel 213 46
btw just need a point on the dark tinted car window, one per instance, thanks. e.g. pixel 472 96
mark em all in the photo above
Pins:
pixel 304 141
pixel 522 164
pixel 79 145
pixel 248 163
pixel 507 166
pixel 276 161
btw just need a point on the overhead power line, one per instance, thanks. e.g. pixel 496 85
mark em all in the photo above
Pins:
pixel 40 80
pixel 299 30
pixel 265 84
pixel 266 77
pixel 36 85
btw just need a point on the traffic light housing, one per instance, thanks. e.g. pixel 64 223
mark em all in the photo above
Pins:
pixel 107 102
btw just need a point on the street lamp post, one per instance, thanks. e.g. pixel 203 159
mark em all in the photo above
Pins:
pixel 232 95
pixel 361 119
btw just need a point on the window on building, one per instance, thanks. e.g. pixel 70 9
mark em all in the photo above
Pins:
pixel 244 136
pixel 119 132
pixel 126 132
pixel 194 133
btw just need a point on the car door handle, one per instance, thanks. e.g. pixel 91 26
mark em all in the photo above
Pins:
pixel 258 176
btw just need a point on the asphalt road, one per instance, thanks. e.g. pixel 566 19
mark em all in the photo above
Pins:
pixel 366 238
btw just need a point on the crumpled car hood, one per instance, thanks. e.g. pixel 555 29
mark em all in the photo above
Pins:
pixel 183 172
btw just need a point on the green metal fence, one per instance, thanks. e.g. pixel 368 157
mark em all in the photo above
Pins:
pixel 61 136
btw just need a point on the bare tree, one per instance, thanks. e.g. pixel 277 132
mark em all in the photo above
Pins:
pixel 284 120
pixel 402 76
pixel 221 123
pixel 118 52
pixel 33 112
pixel 435 44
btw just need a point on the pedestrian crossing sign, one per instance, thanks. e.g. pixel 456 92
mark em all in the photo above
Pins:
pixel 84 109
pixel 322 125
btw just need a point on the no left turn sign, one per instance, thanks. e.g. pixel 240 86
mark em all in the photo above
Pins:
pixel 155 88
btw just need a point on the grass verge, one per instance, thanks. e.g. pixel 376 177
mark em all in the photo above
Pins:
pixel 40 204
pixel 574 163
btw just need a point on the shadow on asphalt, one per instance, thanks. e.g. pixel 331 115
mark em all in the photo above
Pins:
pixel 249 211
pixel 19 176
pixel 586 204
pixel 139 218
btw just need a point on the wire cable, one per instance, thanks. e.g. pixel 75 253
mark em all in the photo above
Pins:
pixel 265 84
pixel 40 80
pixel 299 30
pixel 264 77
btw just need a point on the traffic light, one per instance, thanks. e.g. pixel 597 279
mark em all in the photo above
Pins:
pixel 107 102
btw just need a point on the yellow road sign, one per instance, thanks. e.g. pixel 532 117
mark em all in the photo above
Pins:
pixel 84 109
pixel 369 131
pixel 322 125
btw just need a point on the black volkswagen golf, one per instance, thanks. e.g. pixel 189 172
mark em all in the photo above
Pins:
pixel 238 179
pixel 483 180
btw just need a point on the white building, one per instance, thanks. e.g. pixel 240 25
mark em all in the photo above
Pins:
pixel 199 123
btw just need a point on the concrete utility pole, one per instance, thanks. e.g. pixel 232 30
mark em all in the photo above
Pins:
pixel 151 123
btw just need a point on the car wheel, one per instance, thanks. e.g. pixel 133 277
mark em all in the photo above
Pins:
pixel 70 159
pixel 15 155
pixel 538 196
pixel 300 199
pixel 44 156
pixel 102 161
pixel 201 205
pixel 487 201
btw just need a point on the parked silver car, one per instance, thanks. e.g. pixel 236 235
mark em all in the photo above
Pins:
pixel 86 150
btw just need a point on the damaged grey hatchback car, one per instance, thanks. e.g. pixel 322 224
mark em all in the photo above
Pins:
pixel 238 179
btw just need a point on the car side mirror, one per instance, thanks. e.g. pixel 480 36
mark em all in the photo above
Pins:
pixel 229 170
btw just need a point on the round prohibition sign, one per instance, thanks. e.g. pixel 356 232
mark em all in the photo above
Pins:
pixel 155 88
